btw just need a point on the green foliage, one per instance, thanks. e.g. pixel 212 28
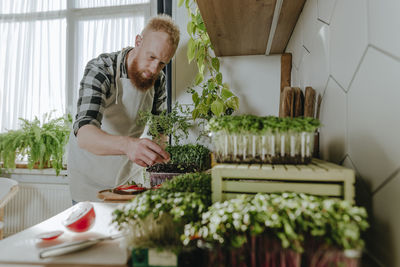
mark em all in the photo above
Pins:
pixel 287 217
pixel 43 142
pixel 184 159
pixel 216 99
pixel 181 200
pixel 189 154
pixel 199 183
pixel 176 123
pixel 258 125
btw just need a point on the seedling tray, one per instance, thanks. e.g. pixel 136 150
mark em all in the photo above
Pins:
pixel 317 178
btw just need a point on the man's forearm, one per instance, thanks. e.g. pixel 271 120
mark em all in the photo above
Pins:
pixel 142 151
pixel 99 142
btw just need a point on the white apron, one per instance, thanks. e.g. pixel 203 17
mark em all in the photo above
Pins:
pixel 89 173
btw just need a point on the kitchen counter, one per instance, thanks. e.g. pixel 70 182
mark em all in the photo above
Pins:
pixel 22 249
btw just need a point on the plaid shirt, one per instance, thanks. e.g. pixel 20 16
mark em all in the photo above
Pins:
pixel 98 85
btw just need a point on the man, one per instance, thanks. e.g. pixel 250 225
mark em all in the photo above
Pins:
pixel 105 146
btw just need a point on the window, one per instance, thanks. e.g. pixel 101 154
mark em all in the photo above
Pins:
pixel 45 47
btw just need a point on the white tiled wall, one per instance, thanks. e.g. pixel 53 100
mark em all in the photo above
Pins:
pixel 350 53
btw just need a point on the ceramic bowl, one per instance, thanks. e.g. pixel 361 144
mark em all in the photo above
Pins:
pixel 82 217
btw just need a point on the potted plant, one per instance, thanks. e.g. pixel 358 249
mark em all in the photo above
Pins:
pixel 183 158
pixel 274 229
pixel 216 98
pixel 156 218
pixel 333 232
pixel 41 143
pixel 253 139
pixel 247 231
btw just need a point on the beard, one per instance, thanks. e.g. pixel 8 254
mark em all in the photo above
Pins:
pixel 136 77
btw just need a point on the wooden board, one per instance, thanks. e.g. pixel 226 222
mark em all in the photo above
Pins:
pixel 288 16
pixel 319 178
pixel 298 100
pixel 238 27
pixel 108 196
pixel 287 102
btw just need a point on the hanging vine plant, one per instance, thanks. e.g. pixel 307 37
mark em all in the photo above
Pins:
pixel 215 99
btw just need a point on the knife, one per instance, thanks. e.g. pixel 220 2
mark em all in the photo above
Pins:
pixel 69 247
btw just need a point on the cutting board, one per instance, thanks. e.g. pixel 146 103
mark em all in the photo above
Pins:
pixel 108 196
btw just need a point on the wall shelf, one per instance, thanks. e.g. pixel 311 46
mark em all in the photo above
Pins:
pixel 251 27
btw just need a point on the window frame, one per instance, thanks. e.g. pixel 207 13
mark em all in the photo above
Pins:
pixel 73 15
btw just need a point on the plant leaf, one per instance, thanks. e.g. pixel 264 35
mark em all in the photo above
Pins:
pixel 215 63
pixel 217 107
pixel 199 78
pixel 218 77
pixel 191 50
pixel 225 94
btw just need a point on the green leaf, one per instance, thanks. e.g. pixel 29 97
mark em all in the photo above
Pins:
pixel 200 66
pixel 219 78
pixel 215 63
pixel 233 103
pixel 211 85
pixel 195 113
pixel 199 78
pixel 191 50
pixel 225 94
pixel 195 98
pixel 217 107
pixel 190 27
pixel 180 3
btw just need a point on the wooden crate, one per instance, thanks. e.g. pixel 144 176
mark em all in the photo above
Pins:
pixel 318 178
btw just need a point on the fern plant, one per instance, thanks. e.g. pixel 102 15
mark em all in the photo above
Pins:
pixel 43 143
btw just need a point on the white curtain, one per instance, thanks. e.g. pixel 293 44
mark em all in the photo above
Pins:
pixel 34 50
pixel 103 36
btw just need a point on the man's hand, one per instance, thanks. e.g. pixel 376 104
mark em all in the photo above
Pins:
pixel 145 152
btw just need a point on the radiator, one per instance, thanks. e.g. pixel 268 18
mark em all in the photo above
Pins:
pixel 34 203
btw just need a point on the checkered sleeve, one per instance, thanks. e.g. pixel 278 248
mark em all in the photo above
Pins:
pixel 160 95
pixel 94 89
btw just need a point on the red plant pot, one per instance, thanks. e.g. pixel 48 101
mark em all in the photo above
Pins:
pixel 81 219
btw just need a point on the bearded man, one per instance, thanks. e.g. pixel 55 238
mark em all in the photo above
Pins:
pixel 105 147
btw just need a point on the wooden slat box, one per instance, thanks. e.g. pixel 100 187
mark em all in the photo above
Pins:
pixel 318 178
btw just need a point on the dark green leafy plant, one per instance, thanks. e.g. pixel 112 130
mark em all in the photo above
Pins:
pixel 216 98
pixel 42 142
pixel 185 158
pixel 199 183
pixel 156 217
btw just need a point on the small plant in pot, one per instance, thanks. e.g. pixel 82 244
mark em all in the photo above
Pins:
pixel 186 158
pixel 248 231
pixel 156 218
pixel 253 139
pixel 333 232
pixel 42 143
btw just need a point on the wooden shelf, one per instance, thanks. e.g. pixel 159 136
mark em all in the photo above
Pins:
pixel 252 27
pixel 318 178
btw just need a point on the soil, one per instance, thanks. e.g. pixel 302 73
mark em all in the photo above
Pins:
pixel 173 167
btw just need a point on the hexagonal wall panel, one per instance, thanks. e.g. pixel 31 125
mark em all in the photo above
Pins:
pixel 310 14
pixel 384 25
pixel 319 58
pixel 373 117
pixel 325 10
pixel 349 39
pixel 386 231
pixel 333 118
pixel 304 72
pixel 295 45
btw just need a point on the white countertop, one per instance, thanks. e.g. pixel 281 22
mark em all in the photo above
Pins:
pixel 23 248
